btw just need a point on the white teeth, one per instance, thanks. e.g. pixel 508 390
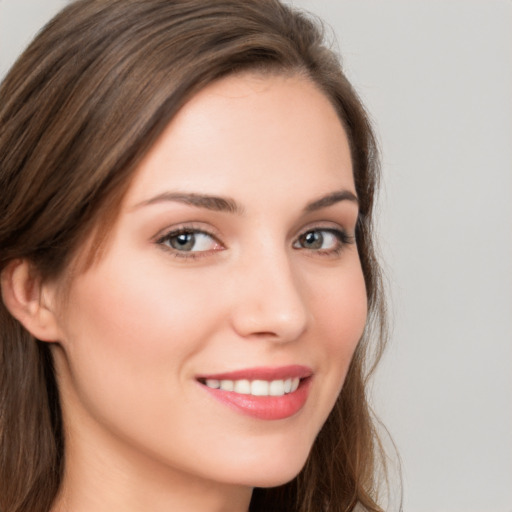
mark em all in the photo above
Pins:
pixel 276 388
pixel 256 387
pixel 259 388
pixel 213 383
pixel 227 385
pixel 243 387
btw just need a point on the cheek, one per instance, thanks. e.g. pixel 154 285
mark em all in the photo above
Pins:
pixel 136 309
pixel 342 311
pixel 104 340
pixel 130 351
pixel 128 334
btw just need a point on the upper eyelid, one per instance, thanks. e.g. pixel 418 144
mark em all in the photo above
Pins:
pixel 187 227
pixel 330 229
pixel 327 225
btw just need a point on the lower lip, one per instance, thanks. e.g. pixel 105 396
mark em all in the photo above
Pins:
pixel 265 407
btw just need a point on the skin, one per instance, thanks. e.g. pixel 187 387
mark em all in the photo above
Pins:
pixel 141 323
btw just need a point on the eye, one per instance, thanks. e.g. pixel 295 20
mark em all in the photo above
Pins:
pixel 189 241
pixel 323 240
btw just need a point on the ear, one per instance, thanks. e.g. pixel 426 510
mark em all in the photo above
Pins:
pixel 28 300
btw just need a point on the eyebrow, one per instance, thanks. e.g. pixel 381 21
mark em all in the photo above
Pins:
pixel 330 199
pixel 226 204
pixel 215 203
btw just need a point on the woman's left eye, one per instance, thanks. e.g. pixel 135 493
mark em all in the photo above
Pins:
pixel 189 241
pixel 323 240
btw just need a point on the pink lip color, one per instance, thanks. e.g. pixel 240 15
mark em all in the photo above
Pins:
pixel 264 407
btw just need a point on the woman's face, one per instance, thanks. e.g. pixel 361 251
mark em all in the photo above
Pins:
pixel 232 264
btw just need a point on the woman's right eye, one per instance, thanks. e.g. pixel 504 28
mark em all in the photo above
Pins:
pixel 186 242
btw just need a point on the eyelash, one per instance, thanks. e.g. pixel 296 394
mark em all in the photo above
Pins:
pixel 342 240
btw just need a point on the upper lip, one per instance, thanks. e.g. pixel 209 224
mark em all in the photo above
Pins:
pixel 262 373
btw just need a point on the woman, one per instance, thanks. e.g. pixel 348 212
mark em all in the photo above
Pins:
pixel 188 278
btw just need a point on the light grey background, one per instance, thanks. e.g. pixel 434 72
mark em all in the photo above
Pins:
pixel 436 76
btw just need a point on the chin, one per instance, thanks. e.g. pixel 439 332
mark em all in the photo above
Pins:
pixel 277 479
pixel 273 472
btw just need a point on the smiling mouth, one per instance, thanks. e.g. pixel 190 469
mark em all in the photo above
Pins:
pixel 257 387
pixel 264 393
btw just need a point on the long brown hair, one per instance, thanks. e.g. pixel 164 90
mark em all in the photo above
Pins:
pixel 78 111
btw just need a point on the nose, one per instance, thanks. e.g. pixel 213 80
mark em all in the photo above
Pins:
pixel 269 299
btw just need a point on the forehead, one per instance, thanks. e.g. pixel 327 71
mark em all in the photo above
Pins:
pixel 249 128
